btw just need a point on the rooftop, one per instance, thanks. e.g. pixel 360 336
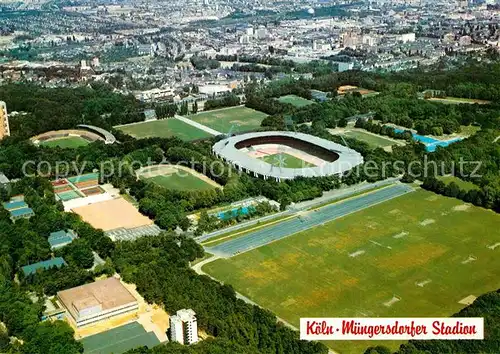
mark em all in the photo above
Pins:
pixel 54 262
pixel 107 293
pixel 61 237
pixel 14 205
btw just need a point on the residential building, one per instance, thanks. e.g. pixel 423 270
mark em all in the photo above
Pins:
pixel 4 121
pixel 183 327
pixel 97 301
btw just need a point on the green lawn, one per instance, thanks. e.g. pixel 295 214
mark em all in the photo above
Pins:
pixel 426 250
pixel 66 143
pixel 164 128
pixel 289 161
pixel 457 100
pixel 295 100
pixel 182 181
pixel 467 186
pixel 244 119
pixel 372 140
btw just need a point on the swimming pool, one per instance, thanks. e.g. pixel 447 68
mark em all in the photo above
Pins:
pixel 231 214
pixel 431 144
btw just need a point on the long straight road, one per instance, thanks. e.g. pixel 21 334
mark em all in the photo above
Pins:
pixel 306 220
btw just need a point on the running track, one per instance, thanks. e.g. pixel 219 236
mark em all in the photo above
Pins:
pixel 310 219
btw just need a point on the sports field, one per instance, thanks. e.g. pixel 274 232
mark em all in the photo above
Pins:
pixel 184 182
pixel 418 255
pixel 164 128
pixel 288 161
pixel 244 119
pixel 370 139
pixel 119 340
pixel 295 100
pixel 66 142
pixel 457 100
pixel 175 177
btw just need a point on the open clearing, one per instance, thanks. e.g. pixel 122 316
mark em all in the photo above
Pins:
pixel 164 128
pixel 66 143
pixel 295 100
pixel 378 262
pixel 457 100
pixel 288 161
pixel 465 185
pixel 370 139
pixel 244 119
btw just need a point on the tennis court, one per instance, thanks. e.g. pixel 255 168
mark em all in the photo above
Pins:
pixel 68 195
pixel 119 340
pixel 84 178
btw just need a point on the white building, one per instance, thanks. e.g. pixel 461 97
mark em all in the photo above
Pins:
pixel 183 327
pixel 407 37
pixel 4 121
pixel 97 301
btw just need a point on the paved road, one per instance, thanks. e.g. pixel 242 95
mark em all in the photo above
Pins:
pixel 305 220
pixel 329 196
pixel 198 125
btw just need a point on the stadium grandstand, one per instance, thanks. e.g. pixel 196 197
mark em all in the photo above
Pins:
pixel 248 152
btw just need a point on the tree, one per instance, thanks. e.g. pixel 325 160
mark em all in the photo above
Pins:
pixel 342 122
pixel 194 109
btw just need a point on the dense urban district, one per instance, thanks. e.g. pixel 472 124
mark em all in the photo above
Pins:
pixel 195 177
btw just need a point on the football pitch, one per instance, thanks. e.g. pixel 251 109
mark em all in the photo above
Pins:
pixel 417 255
pixel 295 100
pixel 243 118
pixel 164 128
pixel 288 161
pixel 184 182
pixel 370 139
pixel 66 142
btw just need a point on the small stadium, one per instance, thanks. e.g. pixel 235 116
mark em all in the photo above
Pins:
pixel 176 177
pixel 286 155
pixel 73 138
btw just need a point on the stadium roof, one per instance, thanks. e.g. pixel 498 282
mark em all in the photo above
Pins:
pixel 109 138
pixel 348 158
pixel 54 262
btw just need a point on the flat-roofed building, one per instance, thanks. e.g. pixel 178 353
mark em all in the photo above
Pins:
pixel 97 301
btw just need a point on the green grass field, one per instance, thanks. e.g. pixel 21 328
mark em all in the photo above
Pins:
pixel 457 100
pixel 427 251
pixel 164 128
pixel 295 100
pixel 182 181
pixel 66 143
pixel 289 161
pixel 244 118
pixel 465 185
pixel 372 140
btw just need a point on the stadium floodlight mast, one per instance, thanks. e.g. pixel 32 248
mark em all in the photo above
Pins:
pixel 289 124
pixel 232 129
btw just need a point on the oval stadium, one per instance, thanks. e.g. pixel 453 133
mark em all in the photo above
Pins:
pixel 286 155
